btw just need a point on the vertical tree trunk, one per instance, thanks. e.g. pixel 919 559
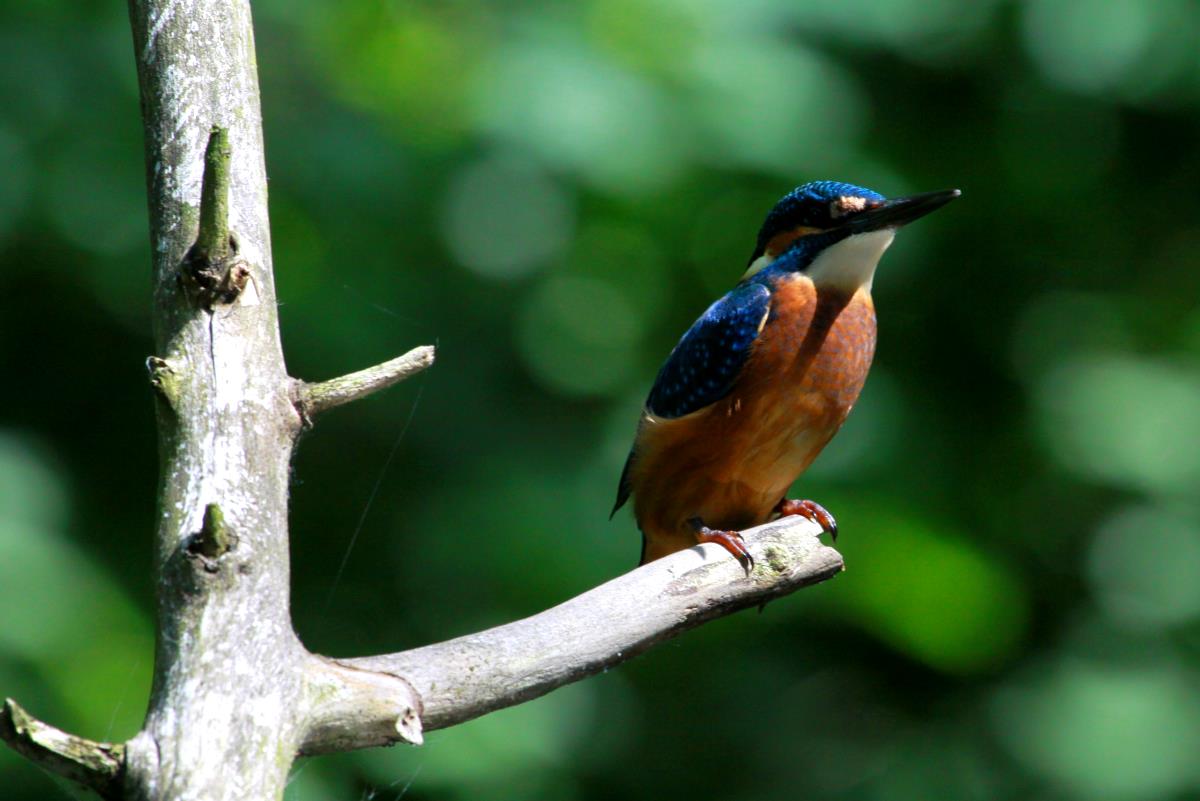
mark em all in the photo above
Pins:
pixel 225 418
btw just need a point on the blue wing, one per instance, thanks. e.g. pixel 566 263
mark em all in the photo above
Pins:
pixel 706 362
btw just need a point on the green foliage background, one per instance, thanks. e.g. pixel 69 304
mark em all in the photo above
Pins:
pixel 552 192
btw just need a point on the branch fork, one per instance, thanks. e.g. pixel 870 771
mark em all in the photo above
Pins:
pixel 381 700
pixel 96 766
pixel 464 678
pixel 312 399
pixel 236 696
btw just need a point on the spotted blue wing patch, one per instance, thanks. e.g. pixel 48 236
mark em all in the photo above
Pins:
pixel 704 365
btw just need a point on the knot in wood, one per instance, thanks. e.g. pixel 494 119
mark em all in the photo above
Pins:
pixel 213 540
pixel 212 279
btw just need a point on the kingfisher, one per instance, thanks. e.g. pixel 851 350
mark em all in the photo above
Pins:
pixel 759 385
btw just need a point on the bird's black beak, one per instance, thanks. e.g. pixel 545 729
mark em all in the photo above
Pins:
pixel 899 211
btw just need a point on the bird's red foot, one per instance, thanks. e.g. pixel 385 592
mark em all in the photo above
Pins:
pixel 809 510
pixel 729 540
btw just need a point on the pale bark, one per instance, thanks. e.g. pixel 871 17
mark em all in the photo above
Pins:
pixel 314 398
pixel 236 697
pixel 469 676
pixel 234 691
pixel 378 700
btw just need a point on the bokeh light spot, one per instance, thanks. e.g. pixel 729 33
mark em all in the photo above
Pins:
pixel 931 595
pixel 1144 565
pixel 1122 421
pixel 580 113
pixel 577 335
pixel 419 57
pixel 504 217
pixel 647 35
pixel 1096 45
pixel 625 256
pixel 736 96
pixel 1111 733
pixel 919 28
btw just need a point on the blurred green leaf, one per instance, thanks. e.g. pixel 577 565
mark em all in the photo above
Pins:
pixel 580 113
pixel 1143 565
pixel 63 613
pixel 1102 731
pixel 577 335
pixel 505 217
pixel 755 125
pixel 932 595
pixel 420 58
pixel 1096 46
pixel 1124 421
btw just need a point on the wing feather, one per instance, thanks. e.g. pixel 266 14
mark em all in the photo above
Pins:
pixel 703 367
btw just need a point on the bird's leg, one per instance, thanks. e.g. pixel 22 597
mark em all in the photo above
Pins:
pixel 729 540
pixel 809 510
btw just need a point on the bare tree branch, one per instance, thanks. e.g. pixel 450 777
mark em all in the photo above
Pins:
pixel 312 399
pixel 234 690
pixel 97 766
pixel 212 271
pixel 469 676
pixel 355 708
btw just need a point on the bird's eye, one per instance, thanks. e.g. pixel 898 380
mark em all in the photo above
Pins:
pixel 846 204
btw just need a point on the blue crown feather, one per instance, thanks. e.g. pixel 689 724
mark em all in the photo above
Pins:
pixel 807 205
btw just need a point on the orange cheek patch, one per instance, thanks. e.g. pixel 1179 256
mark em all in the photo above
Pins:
pixel 785 239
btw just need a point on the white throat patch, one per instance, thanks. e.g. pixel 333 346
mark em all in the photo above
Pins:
pixel 851 263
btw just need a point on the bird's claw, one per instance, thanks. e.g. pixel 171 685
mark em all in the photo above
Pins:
pixel 810 510
pixel 729 540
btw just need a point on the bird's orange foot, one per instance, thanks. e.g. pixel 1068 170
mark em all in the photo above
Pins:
pixel 729 540
pixel 809 510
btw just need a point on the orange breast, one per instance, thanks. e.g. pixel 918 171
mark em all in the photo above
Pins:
pixel 731 462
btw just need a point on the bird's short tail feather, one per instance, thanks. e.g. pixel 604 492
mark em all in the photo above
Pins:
pixel 623 488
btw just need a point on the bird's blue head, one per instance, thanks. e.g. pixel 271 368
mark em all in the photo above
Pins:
pixel 809 209
pixel 822 216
